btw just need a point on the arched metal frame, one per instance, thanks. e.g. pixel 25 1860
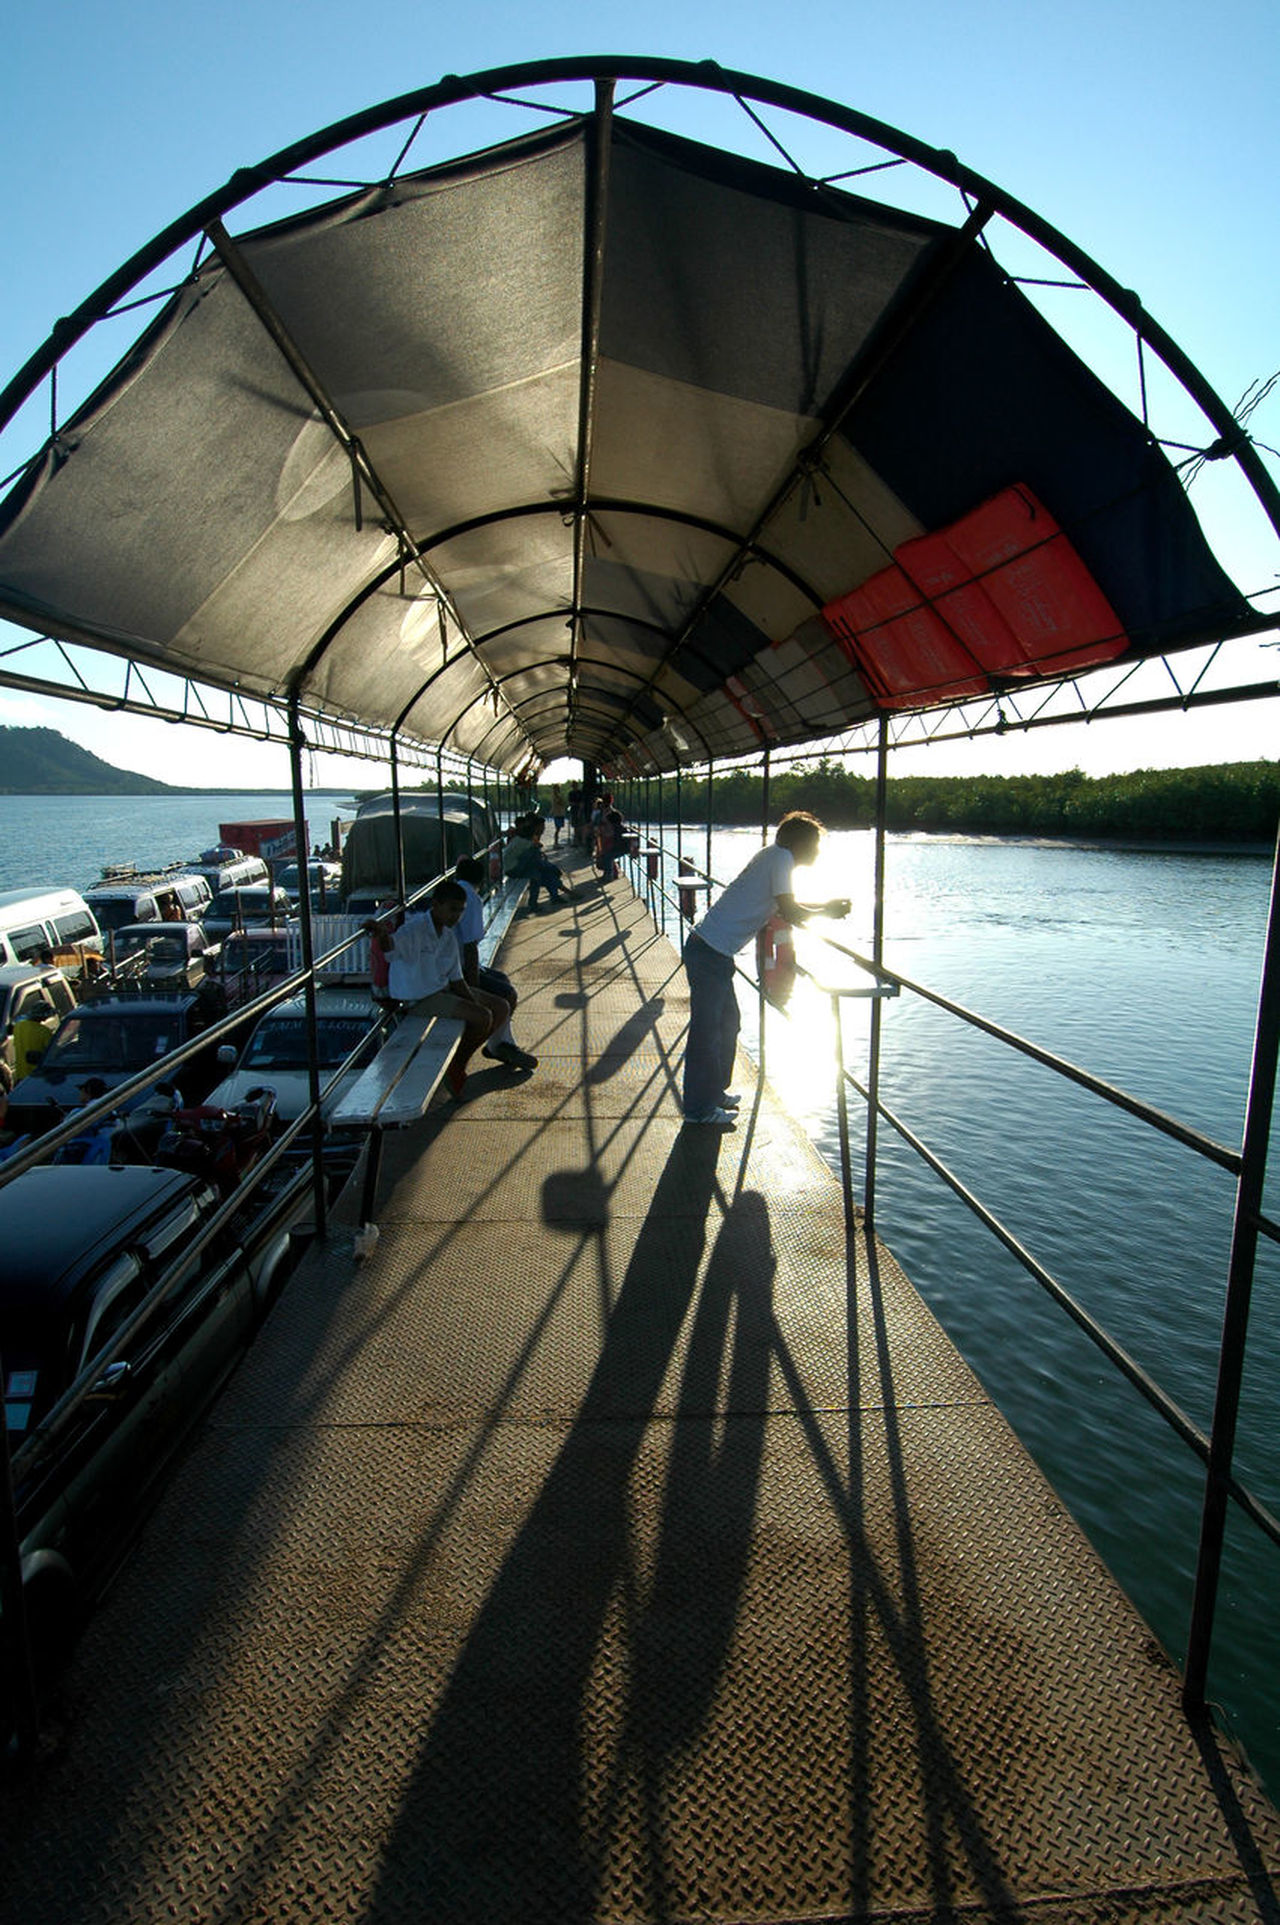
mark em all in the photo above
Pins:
pixel 983 197
pixel 985 201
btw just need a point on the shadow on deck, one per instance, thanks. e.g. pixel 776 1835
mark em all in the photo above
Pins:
pixel 614 1543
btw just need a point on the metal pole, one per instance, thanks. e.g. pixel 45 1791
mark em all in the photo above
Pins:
pixel 679 823
pixel 1235 1322
pixel 764 797
pixel 877 957
pixel 395 818
pixel 17 1672
pixel 297 743
pixel 443 860
pixel 710 772
pixel 842 1112
pixel 764 837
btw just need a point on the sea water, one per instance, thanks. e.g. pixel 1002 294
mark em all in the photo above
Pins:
pixel 1141 967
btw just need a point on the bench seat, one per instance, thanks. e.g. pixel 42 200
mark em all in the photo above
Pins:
pixel 398 1084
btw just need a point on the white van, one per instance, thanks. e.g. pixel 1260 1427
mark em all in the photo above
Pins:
pixel 232 873
pixel 57 920
pixel 122 898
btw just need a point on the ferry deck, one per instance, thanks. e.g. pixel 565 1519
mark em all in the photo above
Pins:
pixel 615 1540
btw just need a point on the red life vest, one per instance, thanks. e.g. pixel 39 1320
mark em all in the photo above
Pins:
pixel 776 961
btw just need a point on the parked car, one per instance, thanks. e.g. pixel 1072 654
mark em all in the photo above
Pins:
pixel 43 924
pixel 29 993
pixel 324 881
pixel 85 1249
pixel 167 955
pixel 127 895
pixel 112 1039
pixel 276 1051
pixel 256 904
pixel 255 960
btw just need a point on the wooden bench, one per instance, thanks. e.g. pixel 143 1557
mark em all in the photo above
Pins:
pixel 396 1088
pixel 500 909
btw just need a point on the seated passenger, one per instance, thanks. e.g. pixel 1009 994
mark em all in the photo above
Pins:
pixel 523 857
pixel 502 1044
pixel 425 973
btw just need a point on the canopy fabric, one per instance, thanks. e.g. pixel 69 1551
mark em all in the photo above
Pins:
pixel 657 433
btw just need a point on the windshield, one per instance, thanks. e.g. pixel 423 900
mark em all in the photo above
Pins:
pixel 155 944
pixel 111 1040
pixel 282 1044
pixel 237 954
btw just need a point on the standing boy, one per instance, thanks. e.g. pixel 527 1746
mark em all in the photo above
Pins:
pixel 763 889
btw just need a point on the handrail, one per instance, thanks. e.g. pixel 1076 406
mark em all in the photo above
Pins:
pixel 1203 1145
pixel 1230 1160
pixel 1186 1428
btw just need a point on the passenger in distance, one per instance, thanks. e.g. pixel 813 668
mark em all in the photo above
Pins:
pixel 425 973
pixel 502 1044
pixel 763 889
pixel 523 856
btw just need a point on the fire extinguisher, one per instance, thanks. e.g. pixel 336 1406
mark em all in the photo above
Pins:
pixel 776 960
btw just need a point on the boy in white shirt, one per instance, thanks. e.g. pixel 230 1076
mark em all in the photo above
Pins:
pixel 426 971
pixel 502 1044
pixel 763 889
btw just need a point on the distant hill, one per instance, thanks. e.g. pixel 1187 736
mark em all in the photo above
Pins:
pixel 42 762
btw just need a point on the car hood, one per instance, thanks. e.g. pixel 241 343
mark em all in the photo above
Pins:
pixel 292 1088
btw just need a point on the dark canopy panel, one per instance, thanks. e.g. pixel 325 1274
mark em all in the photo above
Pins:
pixel 675 453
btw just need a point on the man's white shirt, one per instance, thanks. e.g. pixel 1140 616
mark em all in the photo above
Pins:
pixel 424 959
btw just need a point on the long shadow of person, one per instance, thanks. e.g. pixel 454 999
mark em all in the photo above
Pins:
pixel 691 1605
pixel 493 1823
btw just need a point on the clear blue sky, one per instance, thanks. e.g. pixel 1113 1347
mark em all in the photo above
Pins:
pixel 1146 130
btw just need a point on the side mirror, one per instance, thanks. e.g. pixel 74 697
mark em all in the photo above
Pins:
pixel 226 1054
pixel 113 1382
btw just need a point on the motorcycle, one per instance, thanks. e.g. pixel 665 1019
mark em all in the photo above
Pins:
pixel 221 1145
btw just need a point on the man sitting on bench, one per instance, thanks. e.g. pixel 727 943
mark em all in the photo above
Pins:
pixel 502 1045
pixel 426 974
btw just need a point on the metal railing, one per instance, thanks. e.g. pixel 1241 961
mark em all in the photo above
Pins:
pixel 1247 1165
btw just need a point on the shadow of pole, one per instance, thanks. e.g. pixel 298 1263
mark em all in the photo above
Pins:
pixel 492 1824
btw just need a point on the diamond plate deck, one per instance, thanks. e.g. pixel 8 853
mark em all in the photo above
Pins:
pixel 612 1543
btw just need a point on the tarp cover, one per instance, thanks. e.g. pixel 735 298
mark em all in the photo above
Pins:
pixel 635 489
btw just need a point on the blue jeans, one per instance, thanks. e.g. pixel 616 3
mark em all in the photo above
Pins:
pixel 542 874
pixel 713 1026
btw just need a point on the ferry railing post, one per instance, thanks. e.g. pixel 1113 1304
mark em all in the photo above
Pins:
pixel 395 817
pixel 707 813
pixel 877 958
pixel 297 743
pixel 442 862
pixel 679 824
pixel 842 1112
pixel 17 1673
pixel 1235 1320
pixel 761 999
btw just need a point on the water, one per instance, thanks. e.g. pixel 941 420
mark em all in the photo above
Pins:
pixel 1142 968
pixel 64 841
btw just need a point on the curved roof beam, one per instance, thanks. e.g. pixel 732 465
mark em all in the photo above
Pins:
pixel 539 695
pixel 858 376
pixel 592 298
pixel 586 661
pixel 207 216
pixel 708 77
pixel 362 469
pixel 606 504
